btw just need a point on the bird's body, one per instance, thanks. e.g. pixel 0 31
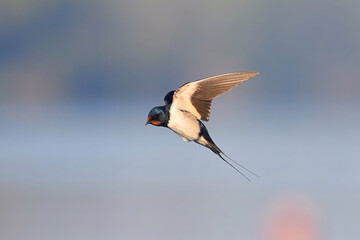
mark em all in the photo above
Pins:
pixel 188 105
pixel 184 124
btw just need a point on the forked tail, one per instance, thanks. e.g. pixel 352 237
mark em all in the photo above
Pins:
pixel 205 140
pixel 212 146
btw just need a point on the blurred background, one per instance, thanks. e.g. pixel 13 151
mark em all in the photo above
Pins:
pixel 78 78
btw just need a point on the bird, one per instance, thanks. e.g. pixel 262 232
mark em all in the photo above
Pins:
pixel 185 108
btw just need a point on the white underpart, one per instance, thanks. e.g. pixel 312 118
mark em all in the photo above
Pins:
pixel 184 124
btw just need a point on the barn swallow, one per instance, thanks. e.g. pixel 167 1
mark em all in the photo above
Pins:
pixel 185 107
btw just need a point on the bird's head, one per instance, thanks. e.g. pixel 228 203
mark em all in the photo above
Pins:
pixel 158 116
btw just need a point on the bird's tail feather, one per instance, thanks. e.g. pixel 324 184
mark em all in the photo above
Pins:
pixel 212 146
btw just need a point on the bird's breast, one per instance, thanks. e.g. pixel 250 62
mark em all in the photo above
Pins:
pixel 184 124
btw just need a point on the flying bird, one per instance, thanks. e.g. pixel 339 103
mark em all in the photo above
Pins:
pixel 189 104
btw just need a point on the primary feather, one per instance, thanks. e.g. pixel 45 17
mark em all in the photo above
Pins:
pixel 196 97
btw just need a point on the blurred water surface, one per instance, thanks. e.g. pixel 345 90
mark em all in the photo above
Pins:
pixel 77 80
pixel 88 174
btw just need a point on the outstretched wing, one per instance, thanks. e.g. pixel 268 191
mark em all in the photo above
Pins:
pixel 196 97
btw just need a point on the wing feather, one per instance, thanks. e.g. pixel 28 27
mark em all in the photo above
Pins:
pixel 196 97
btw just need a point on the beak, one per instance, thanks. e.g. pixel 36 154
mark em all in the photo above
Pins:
pixel 148 120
